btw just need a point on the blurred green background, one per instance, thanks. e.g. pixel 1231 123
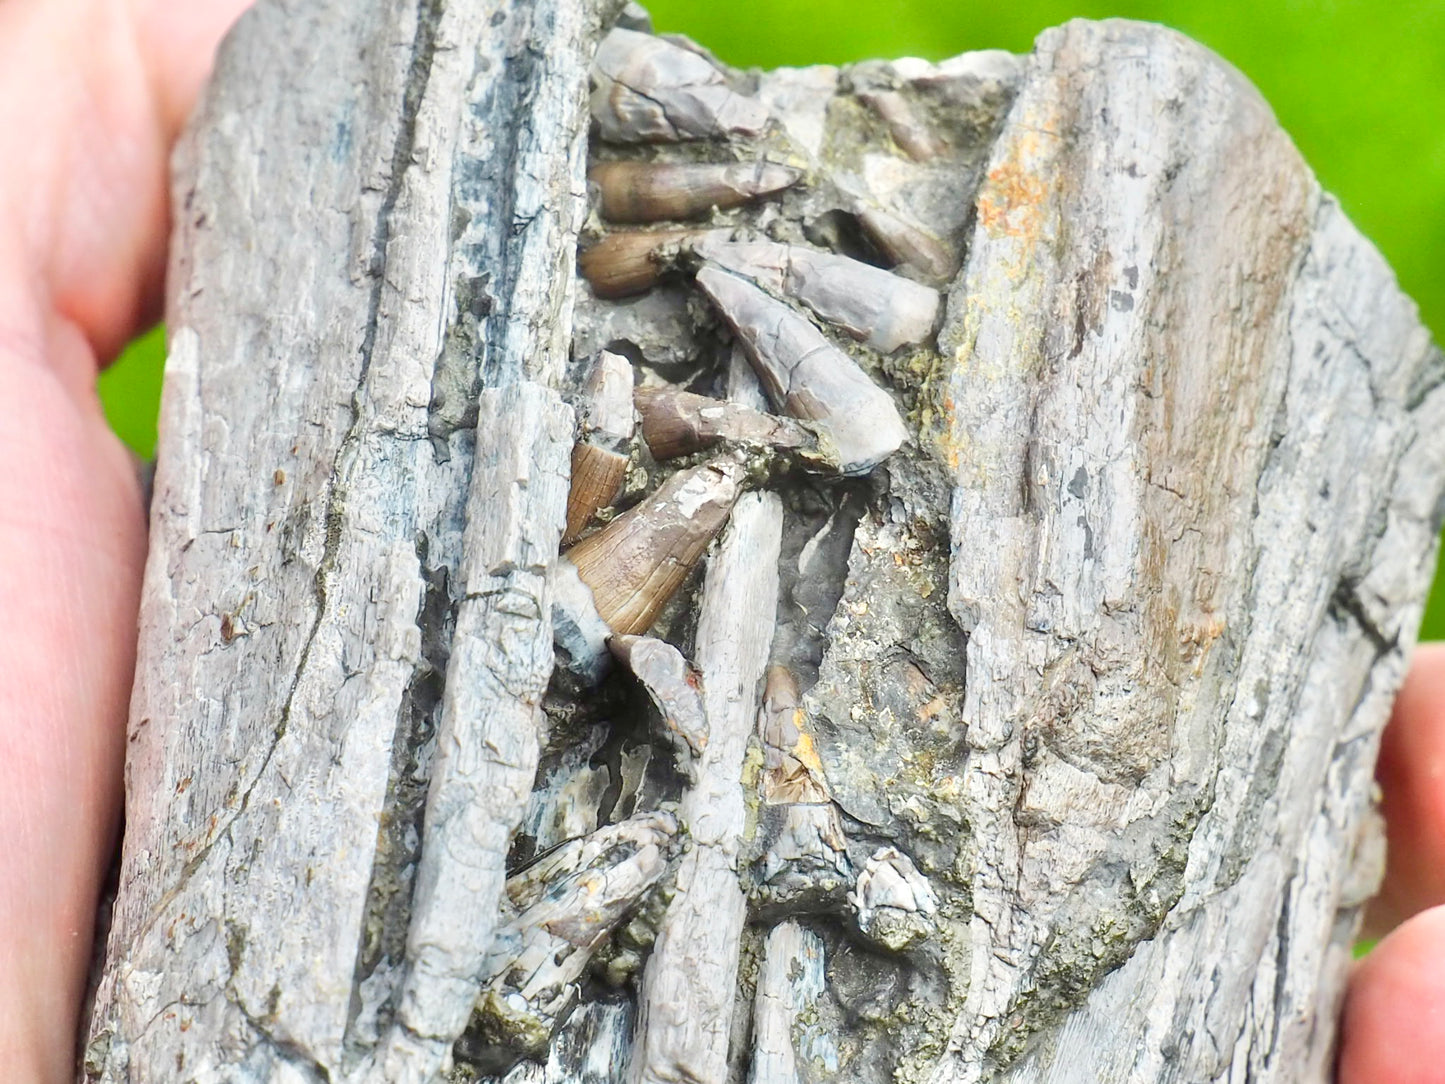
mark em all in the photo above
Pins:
pixel 1359 84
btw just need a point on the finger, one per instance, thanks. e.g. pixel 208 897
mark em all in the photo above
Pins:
pixel 91 94
pixel 1393 1029
pixel 1411 773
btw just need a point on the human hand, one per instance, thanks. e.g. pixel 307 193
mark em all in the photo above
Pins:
pixel 92 94
pixel 1393 1030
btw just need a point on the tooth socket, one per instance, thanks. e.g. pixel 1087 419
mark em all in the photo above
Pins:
pixel 597 477
pixel 806 375
pixel 639 560
pixel 905 244
pixel 626 263
pixel 645 192
pixel 647 90
pixel 678 423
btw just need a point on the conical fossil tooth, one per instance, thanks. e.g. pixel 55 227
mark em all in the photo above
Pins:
pixel 648 192
pixel 806 375
pixel 676 422
pixel 630 262
pixel 647 90
pixel 804 862
pixel 636 563
pixel 674 689
pixel 912 137
pixel 904 243
pixel 597 477
pixel 875 306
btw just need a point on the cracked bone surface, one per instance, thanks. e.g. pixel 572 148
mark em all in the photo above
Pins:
pixel 1091 654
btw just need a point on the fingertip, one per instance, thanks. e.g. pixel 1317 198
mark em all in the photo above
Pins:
pixel 1393 1029
pixel 178 40
pixel 1411 773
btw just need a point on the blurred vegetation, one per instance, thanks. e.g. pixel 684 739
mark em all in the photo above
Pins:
pixel 1359 84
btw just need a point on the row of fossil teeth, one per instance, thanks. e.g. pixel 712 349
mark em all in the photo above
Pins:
pixel 876 307
pixel 613 583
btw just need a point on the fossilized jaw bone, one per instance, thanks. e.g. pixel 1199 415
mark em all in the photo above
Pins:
pixel 806 375
pixel 648 90
pixel 651 192
pixel 563 907
pixel 635 563
pixel 872 305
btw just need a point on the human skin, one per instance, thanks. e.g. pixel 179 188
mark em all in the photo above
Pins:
pixel 92 94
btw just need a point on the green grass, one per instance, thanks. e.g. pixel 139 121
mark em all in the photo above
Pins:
pixel 1359 84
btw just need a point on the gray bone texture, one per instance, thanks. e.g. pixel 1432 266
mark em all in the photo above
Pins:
pixel 1094 665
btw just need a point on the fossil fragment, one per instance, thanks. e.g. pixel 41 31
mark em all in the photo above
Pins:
pixel 911 135
pixel 609 421
pixel 792 771
pixel 579 635
pixel 678 423
pixel 907 244
pixel 630 261
pixel 785 1029
pixel 894 902
pixel 872 305
pixel 674 691
pixel 563 907
pixel 804 862
pixel 806 375
pixel 647 90
pixel 635 563
pixel 655 192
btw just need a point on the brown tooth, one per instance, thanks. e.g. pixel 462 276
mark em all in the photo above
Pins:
pixel 676 422
pixel 647 90
pixel 630 262
pixel 647 192
pixel 807 375
pixel 875 306
pixel 907 244
pixel 912 137
pixel 639 560
pixel 597 477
